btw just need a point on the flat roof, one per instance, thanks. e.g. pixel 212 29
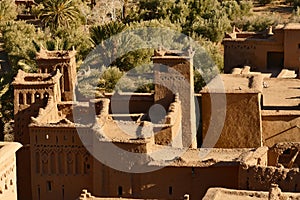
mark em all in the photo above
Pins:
pixel 23 78
pixel 125 131
pixel 234 83
pixel 292 26
pixel 281 92
pixel 203 157
pixel 231 194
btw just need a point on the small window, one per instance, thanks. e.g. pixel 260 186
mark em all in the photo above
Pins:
pixel 37 96
pixel 47 137
pixel 298 46
pixel 49 186
pixel 28 98
pixel 120 190
pixel 21 100
pixel 46 95
pixel 39 192
pixel 170 190
pixel 63 192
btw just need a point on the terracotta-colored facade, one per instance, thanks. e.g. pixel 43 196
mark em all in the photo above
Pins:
pixel 269 51
pixel 65 140
pixel 8 170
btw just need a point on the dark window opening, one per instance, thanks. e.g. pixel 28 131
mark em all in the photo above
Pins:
pixel 170 190
pixel 120 190
pixel 39 192
pixel 37 96
pixel 49 186
pixel 66 79
pixel 63 192
pixel 298 46
pixel 287 152
pixel 46 95
pixel 275 61
pixel 28 98
pixel 21 98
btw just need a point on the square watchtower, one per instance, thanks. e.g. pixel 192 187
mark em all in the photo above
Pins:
pixel 65 62
pixel 173 74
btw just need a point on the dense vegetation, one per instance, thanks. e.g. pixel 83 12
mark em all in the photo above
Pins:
pixel 74 23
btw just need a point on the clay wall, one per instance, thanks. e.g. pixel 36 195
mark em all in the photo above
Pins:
pixel 284 155
pixel 48 114
pixel 280 128
pixel 28 99
pixel 174 74
pixel 8 170
pixel 60 165
pixel 171 132
pixel 261 177
pixel 127 103
pixel 252 53
pixel 292 49
pixel 274 193
pixel 251 50
pixel 65 62
pixel 134 147
pixel 242 125
pixel 167 183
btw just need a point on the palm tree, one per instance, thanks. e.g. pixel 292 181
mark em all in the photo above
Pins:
pixel 59 13
pixel 102 32
pixel 101 36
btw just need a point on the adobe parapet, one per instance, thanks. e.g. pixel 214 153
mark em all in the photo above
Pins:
pixel 64 114
pixel 206 157
pixel 30 79
pixel 173 54
pixel 55 55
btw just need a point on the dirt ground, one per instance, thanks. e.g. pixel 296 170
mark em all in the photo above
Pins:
pixel 278 7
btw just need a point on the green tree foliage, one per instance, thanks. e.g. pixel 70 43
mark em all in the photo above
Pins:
pixel 59 13
pixel 102 32
pixel 208 18
pixel 237 9
pixel 8 10
pixel 67 39
pixel 295 16
pixel 110 78
pixel 257 22
pixel 18 40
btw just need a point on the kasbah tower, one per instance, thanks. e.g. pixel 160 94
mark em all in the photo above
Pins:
pixel 55 163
